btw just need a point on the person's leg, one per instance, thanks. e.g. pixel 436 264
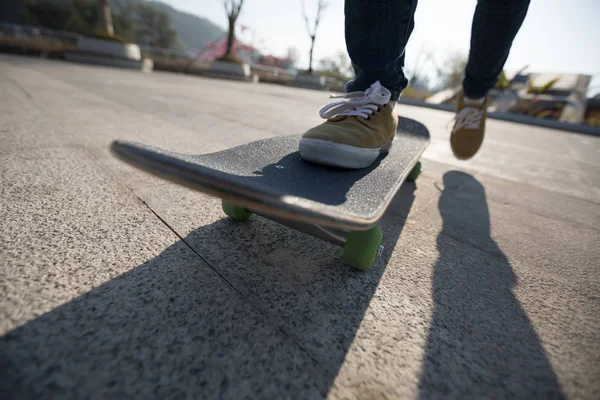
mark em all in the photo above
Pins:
pixel 495 25
pixel 356 131
pixel 377 32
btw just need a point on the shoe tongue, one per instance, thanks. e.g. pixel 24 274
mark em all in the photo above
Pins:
pixel 378 94
pixel 337 118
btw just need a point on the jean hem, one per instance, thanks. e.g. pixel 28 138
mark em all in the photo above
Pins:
pixel 474 94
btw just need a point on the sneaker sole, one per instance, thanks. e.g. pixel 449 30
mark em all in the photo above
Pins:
pixel 340 155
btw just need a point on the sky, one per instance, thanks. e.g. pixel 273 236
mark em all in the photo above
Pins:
pixel 558 36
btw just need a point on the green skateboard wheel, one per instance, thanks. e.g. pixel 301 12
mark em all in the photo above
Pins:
pixel 361 248
pixel 235 212
pixel 415 172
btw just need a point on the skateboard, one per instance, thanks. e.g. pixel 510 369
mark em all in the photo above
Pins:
pixel 269 178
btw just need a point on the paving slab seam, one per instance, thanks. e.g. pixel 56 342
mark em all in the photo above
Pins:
pixel 525 183
pixel 426 203
pixel 22 88
pixel 477 173
pixel 162 220
pixel 18 151
pixel 65 132
pixel 101 165
pixel 576 225
pixel 459 240
pixel 258 309
pixel 507 147
pixel 529 211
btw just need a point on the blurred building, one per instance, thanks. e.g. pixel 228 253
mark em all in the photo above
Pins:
pixel 247 53
pixel 542 95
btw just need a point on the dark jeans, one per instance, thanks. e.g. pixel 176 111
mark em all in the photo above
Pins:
pixel 377 32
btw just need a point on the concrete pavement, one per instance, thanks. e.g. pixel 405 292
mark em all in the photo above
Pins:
pixel 116 284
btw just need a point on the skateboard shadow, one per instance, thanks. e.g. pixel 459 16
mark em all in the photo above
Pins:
pixel 481 343
pixel 231 310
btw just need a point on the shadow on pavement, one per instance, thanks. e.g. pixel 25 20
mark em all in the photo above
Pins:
pixel 172 327
pixel 481 344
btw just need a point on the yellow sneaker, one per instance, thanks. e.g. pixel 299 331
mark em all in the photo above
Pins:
pixel 356 132
pixel 469 127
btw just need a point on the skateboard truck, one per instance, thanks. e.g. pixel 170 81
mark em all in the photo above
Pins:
pixel 361 248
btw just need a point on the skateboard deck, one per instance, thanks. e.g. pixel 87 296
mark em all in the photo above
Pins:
pixel 269 177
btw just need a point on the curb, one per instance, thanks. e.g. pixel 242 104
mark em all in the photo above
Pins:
pixel 520 119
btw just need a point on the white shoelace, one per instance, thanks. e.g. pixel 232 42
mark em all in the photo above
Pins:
pixel 361 104
pixel 468 118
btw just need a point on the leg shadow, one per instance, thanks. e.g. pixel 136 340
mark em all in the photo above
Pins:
pixel 481 344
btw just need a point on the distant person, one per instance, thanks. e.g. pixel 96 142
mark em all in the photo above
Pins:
pixel 358 129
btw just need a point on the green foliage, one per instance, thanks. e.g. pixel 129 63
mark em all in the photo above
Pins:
pixel 544 88
pixel 411 93
pixel 548 85
pixel 338 67
pixel 192 31
pixel 592 118
pixel 79 16
pixel 154 27
pixel 451 74
pixel 44 13
pixel 137 21
pixel 123 20
pixel 502 83
pixel 538 109
pixel 114 38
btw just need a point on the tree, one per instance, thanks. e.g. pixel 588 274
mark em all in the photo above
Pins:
pixel 124 20
pixel 154 27
pixel 232 8
pixel 105 24
pixel 293 56
pixel 79 16
pixel 321 5
pixel 420 82
pixel 417 74
pixel 338 66
pixel 45 14
pixel 452 73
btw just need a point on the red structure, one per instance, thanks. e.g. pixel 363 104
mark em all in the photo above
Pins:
pixel 248 53
pixel 216 49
